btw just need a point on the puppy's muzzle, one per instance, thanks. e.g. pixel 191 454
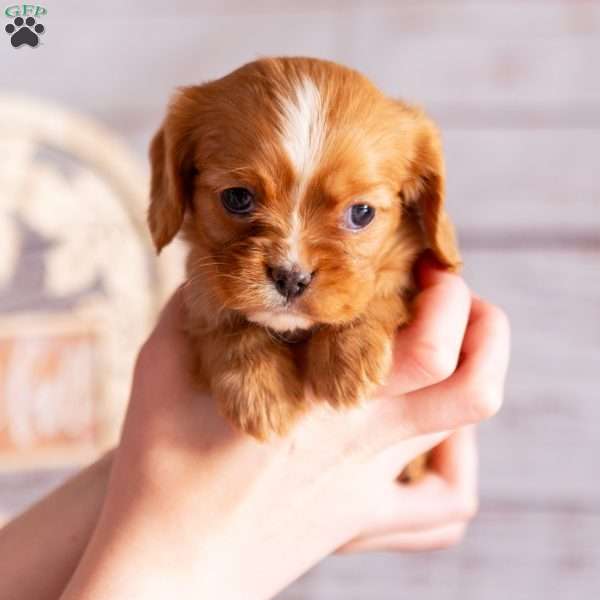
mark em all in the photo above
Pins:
pixel 289 282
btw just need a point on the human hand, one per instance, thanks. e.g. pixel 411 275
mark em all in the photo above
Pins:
pixel 432 513
pixel 191 500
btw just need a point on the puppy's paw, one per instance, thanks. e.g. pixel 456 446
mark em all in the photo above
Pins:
pixel 415 470
pixel 262 398
pixel 346 366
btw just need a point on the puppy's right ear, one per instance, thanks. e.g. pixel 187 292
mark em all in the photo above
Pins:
pixel 171 184
pixel 426 191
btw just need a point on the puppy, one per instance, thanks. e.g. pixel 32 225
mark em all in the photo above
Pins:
pixel 305 196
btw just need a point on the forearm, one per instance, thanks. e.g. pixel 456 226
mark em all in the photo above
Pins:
pixel 231 548
pixel 40 549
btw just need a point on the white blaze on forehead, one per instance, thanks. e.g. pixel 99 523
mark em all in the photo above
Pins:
pixel 293 239
pixel 303 127
pixel 302 136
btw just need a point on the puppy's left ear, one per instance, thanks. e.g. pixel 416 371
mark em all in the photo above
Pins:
pixel 171 186
pixel 426 192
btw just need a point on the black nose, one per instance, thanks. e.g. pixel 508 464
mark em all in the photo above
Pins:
pixel 290 283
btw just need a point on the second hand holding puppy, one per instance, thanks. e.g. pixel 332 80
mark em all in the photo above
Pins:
pixel 195 506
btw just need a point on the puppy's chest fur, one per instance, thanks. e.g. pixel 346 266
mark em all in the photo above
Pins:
pixel 263 378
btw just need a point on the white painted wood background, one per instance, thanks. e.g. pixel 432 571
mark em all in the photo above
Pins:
pixel 515 86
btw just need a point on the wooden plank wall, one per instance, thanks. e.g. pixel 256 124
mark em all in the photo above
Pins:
pixel 515 86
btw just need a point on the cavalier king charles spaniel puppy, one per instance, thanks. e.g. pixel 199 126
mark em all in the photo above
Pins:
pixel 305 195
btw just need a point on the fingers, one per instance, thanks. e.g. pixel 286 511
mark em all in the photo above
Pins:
pixel 473 392
pixel 388 460
pixel 428 348
pixel 166 352
pixel 172 315
pixel 456 461
pixel 432 513
pixel 169 328
pixel 411 541
pixel 428 504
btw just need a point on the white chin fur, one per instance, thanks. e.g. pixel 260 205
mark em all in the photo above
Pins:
pixel 280 321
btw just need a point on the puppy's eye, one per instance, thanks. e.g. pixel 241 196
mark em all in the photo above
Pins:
pixel 238 200
pixel 358 216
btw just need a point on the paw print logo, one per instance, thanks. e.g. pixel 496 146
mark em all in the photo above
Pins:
pixel 24 32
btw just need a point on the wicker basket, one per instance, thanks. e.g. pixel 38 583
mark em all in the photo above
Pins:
pixel 79 284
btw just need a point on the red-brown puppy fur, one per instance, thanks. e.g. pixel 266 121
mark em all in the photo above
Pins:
pixel 308 139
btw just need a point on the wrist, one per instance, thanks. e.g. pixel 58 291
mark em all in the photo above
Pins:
pixel 249 546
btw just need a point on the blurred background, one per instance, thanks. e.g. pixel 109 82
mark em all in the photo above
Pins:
pixel 515 87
